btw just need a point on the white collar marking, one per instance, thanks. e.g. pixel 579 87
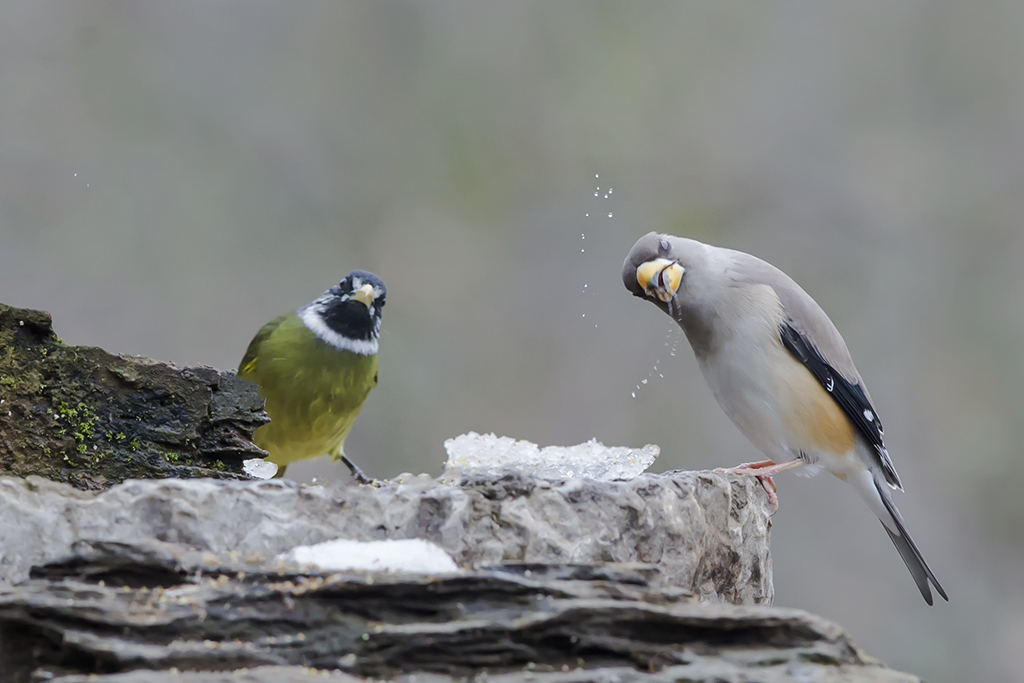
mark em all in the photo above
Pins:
pixel 311 318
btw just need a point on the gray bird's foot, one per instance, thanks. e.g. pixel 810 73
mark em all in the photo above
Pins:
pixel 768 484
pixel 763 470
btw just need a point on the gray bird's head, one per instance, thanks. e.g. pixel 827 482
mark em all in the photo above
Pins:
pixel 685 278
pixel 668 271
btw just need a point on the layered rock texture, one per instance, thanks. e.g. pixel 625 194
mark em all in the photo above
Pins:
pixel 130 609
pixel 706 532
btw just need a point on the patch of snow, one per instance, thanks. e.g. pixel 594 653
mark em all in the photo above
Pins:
pixel 412 556
pixel 481 453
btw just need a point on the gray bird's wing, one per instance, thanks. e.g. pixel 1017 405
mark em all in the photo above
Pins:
pixel 809 335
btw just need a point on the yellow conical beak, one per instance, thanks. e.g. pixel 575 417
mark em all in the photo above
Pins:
pixel 660 277
pixel 364 295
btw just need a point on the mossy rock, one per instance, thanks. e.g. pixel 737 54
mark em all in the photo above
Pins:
pixel 80 415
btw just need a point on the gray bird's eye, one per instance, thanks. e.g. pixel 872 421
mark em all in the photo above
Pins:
pixel 664 245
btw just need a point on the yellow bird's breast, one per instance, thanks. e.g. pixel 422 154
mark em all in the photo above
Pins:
pixel 313 393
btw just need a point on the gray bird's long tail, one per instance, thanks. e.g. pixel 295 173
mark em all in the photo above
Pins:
pixel 919 569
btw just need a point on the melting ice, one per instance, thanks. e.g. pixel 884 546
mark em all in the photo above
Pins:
pixel 258 468
pixel 487 453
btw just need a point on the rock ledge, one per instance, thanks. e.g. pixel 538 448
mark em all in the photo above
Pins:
pixel 708 533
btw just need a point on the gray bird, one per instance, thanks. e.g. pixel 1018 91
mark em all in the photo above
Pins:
pixel 779 369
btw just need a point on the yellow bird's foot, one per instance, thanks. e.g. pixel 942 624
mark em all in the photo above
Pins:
pixel 358 474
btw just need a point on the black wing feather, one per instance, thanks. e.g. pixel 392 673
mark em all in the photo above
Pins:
pixel 850 397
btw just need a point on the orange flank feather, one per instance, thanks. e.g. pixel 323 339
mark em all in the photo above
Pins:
pixel 815 418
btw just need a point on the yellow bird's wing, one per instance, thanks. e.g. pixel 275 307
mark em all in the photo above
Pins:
pixel 247 368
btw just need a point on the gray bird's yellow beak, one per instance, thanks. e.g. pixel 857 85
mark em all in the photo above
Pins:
pixel 364 295
pixel 660 277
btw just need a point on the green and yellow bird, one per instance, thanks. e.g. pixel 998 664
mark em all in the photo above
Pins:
pixel 315 367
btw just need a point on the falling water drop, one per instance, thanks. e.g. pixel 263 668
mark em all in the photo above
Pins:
pixel 609 190
pixel 643 381
pixel 595 194
pixel 606 196
pixel 587 215
pixel 633 393
pixel 609 215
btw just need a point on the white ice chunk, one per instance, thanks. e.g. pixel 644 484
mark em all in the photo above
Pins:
pixel 413 556
pixel 591 460
pixel 259 468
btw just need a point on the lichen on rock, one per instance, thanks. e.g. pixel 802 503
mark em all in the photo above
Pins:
pixel 89 418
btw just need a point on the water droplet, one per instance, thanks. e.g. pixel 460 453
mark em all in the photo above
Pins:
pixel 661 375
pixel 595 194
pixel 643 381
pixel 606 196
pixel 596 175
pixel 87 184
pixel 581 251
pixel 609 190
pixel 584 315
pixel 633 393
pixel 76 175
pixel 609 215
pixel 583 235
pixel 673 353
pixel 584 286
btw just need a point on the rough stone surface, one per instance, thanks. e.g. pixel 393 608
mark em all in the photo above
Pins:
pixel 126 610
pixel 710 672
pixel 707 532
pixel 82 416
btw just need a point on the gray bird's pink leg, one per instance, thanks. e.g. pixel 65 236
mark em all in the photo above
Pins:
pixel 764 470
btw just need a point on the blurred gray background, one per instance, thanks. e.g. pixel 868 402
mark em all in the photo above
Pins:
pixel 173 175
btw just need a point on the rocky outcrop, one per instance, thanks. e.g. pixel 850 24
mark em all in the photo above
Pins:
pixel 654 579
pixel 129 609
pixel 707 532
pixel 82 416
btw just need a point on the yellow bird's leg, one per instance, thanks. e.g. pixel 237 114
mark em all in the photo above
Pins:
pixel 357 473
